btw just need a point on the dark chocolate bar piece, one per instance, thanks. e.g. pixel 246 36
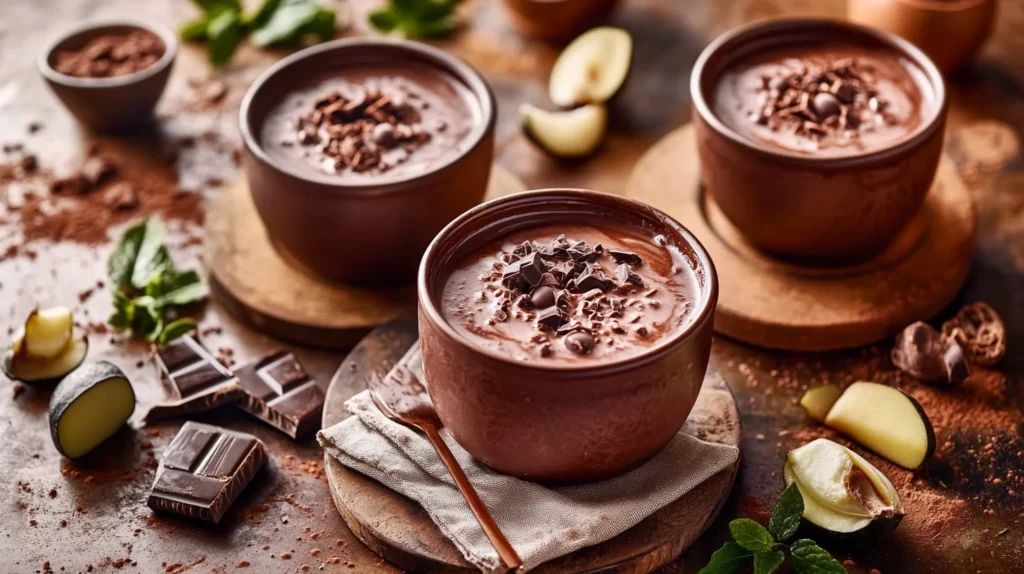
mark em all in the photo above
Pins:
pixel 204 470
pixel 281 393
pixel 197 380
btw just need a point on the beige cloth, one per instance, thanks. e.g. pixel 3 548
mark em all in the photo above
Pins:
pixel 542 523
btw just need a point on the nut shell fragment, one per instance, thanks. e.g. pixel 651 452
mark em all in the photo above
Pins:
pixel 980 331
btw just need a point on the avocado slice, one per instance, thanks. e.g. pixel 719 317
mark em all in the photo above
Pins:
pixel 844 494
pixel 88 406
pixel 19 366
pixel 885 420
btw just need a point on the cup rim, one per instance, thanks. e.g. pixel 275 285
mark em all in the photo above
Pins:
pixel 166 36
pixel 708 295
pixel 462 71
pixel 932 122
pixel 943 5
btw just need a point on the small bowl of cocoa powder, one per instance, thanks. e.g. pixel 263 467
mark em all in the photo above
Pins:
pixel 110 74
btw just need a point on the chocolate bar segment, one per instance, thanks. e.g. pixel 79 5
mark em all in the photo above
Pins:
pixel 204 470
pixel 281 393
pixel 197 380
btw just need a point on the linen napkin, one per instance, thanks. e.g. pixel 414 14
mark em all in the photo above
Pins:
pixel 541 523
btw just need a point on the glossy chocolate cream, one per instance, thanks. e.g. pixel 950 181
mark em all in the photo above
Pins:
pixel 366 124
pixel 821 99
pixel 580 294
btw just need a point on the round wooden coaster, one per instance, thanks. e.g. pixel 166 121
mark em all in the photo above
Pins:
pixel 401 532
pixel 785 305
pixel 259 285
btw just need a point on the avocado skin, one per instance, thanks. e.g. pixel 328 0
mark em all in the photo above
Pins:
pixel 75 385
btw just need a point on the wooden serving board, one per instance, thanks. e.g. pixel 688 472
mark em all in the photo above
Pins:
pixel 401 532
pixel 779 304
pixel 258 285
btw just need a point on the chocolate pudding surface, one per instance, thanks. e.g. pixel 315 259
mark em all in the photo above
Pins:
pixel 366 123
pixel 577 294
pixel 824 99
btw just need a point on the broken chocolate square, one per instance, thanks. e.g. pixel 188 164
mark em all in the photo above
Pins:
pixel 532 268
pixel 626 275
pixel 204 470
pixel 625 257
pixel 582 251
pixel 550 319
pixel 281 393
pixel 197 380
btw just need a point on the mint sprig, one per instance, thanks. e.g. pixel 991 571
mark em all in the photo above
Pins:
pixel 766 546
pixel 148 290
pixel 223 25
pixel 416 18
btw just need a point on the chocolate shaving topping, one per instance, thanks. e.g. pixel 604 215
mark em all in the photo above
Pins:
pixel 821 98
pixel 368 128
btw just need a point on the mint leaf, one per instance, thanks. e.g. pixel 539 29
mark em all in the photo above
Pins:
pixel 151 256
pixel 809 558
pixel 124 312
pixel 786 518
pixel 260 16
pixel 122 261
pixel 214 7
pixel 768 562
pixel 437 28
pixel 181 289
pixel 224 33
pixel 176 329
pixel 286 23
pixel 322 26
pixel 384 20
pixel 195 30
pixel 727 560
pixel 751 535
pixel 149 322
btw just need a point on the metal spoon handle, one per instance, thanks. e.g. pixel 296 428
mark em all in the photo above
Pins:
pixel 505 551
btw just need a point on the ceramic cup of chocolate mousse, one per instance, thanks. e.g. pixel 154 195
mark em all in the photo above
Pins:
pixel 110 74
pixel 818 139
pixel 565 334
pixel 359 151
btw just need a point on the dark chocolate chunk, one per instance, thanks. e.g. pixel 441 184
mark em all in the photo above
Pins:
pixel 626 275
pixel 579 342
pixel 582 251
pixel 625 257
pixel 590 279
pixel 281 393
pixel 522 250
pixel 196 380
pixel 531 268
pixel 510 275
pixel 562 300
pixel 550 318
pixel 204 470
pixel 548 280
pixel 542 297
pixel 565 271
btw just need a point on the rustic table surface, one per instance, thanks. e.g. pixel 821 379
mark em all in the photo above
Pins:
pixel 965 507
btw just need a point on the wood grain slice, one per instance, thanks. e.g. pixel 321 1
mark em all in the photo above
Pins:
pixel 262 286
pixel 401 532
pixel 779 304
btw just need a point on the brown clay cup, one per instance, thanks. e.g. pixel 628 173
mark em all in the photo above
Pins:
pixel 949 31
pixel 557 19
pixel 110 104
pixel 560 424
pixel 372 233
pixel 825 209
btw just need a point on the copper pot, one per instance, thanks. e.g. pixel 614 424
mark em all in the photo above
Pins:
pixel 115 103
pixel 557 19
pixel 362 233
pixel 803 206
pixel 949 31
pixel 560 423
